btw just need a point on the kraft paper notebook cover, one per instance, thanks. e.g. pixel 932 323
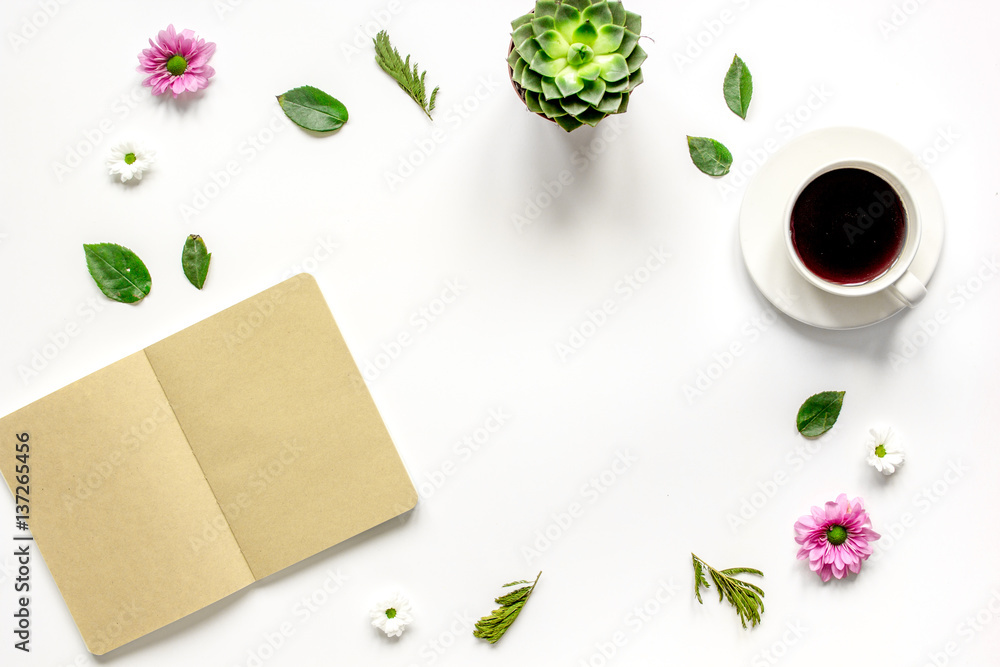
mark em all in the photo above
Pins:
pixel 216 457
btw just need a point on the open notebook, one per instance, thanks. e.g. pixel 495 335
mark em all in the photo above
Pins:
pixel 216 457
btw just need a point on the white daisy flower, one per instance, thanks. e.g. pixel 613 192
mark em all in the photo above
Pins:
pixel 129 159
pixel 392 616
pixel 884 453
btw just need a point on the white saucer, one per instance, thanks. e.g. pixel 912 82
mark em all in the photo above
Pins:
pixel 762 233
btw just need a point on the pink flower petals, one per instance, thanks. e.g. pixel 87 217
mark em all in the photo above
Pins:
pixel 835 560
pixel 196 53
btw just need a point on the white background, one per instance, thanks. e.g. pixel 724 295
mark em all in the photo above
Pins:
pixel 523 291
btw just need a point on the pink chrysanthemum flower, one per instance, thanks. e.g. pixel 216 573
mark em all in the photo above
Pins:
pixel 836 538
pixel 176 62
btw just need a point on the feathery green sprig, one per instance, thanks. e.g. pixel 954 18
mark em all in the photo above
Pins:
pixel 745 597
pixel 412 82
pixel 492 627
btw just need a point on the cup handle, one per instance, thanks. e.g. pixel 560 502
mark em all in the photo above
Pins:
pixel 909 289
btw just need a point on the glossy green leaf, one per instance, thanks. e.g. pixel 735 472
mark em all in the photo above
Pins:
pixel 521 20
pixel 567 19
pixel 528 50
pixel 541 25
pixel 619 86
pixel 195 260
pixel 591 117
pixel 629 42
pixel 585 33
pixel 590 72
pixel 819 413
pixel 552 109
pixel 567 122
pixel 313 109
pixel 610 103
pixel 532 103
pixel 553 43
pixel 636 59
pixel 549 89
pixel 609 38
pixel 573 105
pixel 613 67
pixel 599 14
pixel 568 82
pixel 710 156
pixel 547 66
pixel 531 80
pixel 593 92
pixel 118 271
pixel 738 87
pixel 546 8
pixel 567 16
pixel 633 22
pixel 617 12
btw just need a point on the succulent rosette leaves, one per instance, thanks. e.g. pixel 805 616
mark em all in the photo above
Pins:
pixel 576 61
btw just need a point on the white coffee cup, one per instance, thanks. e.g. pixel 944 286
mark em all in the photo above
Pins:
pixel 897 279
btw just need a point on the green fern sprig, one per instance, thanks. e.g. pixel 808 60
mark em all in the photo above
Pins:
pixel 412 82
pixel 745 597
pixel 492 627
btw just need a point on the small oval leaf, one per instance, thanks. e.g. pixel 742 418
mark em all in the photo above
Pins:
pixel 313 109
pixel 710 156
pixel 738 87
pixel 118 271
pixel 195 260
pixel 819 413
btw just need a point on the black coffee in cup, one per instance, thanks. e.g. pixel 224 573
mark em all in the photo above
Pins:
pixel 848 226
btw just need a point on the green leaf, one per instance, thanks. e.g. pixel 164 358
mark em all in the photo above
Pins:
pixel 567 18
pixel 195 260
pixel 585 33
pixel 118 271
pixel 599 14
pixel 636 59
pixel 520 36
pixel 542 25
pixel 593 92
pixel 547 66
pixel 590 72
pixel 746 598
pixel 313 109
pixel 633 22
pixel 617 12
pixel 567 122
pixel 412 82
pixel 738 87
pixel 742 570
pixel 554 44
pixel 614 67
pixel 492 627
pixel 568 82
pixel 609 38
pixel 545 8
pixel 819 413
pixel 710 156
pixel 629 42
pixel 573 105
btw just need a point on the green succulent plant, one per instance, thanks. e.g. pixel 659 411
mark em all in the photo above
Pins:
pixel 576 61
